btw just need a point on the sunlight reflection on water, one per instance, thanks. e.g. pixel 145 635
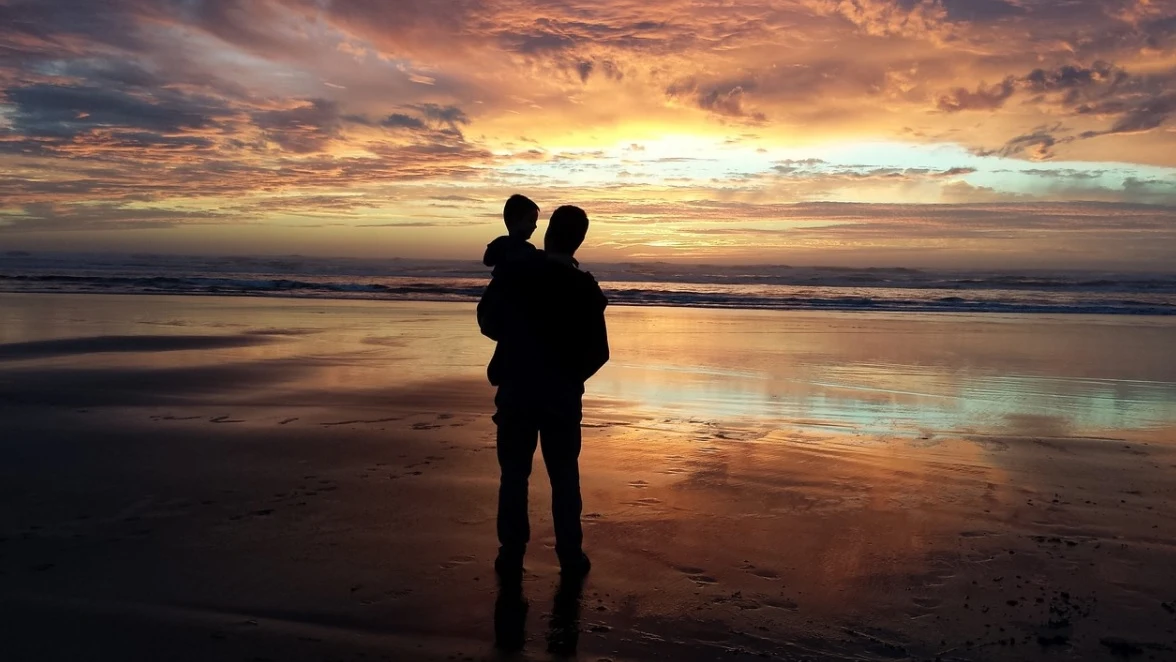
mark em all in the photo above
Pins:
pixel 905 373
pixel 918 373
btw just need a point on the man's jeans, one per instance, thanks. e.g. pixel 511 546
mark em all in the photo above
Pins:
pixel 550 417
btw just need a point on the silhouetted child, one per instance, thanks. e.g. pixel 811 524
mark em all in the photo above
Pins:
pixel 521 216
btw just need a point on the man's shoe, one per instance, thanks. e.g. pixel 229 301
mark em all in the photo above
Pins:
pixel 576 565
pixel 509 567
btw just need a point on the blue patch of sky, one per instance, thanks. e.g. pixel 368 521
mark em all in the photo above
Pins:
pixel 673 160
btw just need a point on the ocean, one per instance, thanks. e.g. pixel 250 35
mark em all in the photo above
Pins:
pixel 630 284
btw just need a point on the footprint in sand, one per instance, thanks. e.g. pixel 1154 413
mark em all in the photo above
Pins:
pixel 781 603
pixel 924 607
pixel 763 573
pixel 424 426
pixel 456 561
pixel 696 575
pixel 359 421
pixel 647 501
pixel 225 419
pixel 392 594
pixel 639 484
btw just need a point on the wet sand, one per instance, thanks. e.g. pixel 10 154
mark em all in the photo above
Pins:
pixel 235 479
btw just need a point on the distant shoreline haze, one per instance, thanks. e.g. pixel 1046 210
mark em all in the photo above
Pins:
pixel 647 283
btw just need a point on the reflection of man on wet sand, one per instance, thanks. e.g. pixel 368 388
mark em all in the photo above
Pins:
pixel 548 319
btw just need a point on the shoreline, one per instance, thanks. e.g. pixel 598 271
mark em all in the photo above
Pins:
pixel 1027 311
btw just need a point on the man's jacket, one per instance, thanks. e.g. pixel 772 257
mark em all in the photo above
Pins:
pixel 548 320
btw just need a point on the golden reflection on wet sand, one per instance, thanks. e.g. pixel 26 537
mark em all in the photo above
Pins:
pixel 922 374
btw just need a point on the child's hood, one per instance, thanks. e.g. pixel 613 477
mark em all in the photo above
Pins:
pixel 504 248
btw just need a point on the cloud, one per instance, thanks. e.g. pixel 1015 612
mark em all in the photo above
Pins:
pixel 910 18
pixel 308 127
pixel 1135 115
pixel 402 121
pixel 449 116
pixel 1039 144
pixel 1102 90
pixel 723 100
pixel 67 110
pixel 267 109
pixel 48 216
pixel 986 97
pixel 1070 77
pixel 729 103
pixel 956 172
pixel 981 10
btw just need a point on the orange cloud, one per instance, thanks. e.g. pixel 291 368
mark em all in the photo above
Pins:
pixel 218 113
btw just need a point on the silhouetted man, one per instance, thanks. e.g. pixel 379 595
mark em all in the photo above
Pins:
pixel 548 319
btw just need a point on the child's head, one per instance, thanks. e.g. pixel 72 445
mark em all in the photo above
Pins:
pixel 566 230
pixel 521 216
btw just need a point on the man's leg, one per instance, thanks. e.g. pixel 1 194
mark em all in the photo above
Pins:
pixel 517 436
pixel 560 436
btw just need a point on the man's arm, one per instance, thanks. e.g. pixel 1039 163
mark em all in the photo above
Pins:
pixel 490 310
pixel 596 352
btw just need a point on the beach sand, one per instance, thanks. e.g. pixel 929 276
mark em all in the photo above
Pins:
pixel 258 479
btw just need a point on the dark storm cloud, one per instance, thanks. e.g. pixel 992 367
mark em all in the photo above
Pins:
pixel 536 43
pixel 1071 77
pixel 66 110
pixel 595 28
pixel 981 10
pixel 1039 143
pixel 729 103
pixel 956 172
pixel 402 121
pixel 103 71
pixel 1135 114
pixel 42 216
pixel 1133 103
pixel 986 97
pixel 724 99
pixel 306 128
pixel 1147 115
pixel 272 27
pixel 448 117
pixel 50 26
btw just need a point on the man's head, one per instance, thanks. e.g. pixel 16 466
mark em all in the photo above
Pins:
pixel 521 216
pixel 566 230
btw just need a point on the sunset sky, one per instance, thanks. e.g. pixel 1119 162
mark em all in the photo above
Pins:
pixel 970 133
